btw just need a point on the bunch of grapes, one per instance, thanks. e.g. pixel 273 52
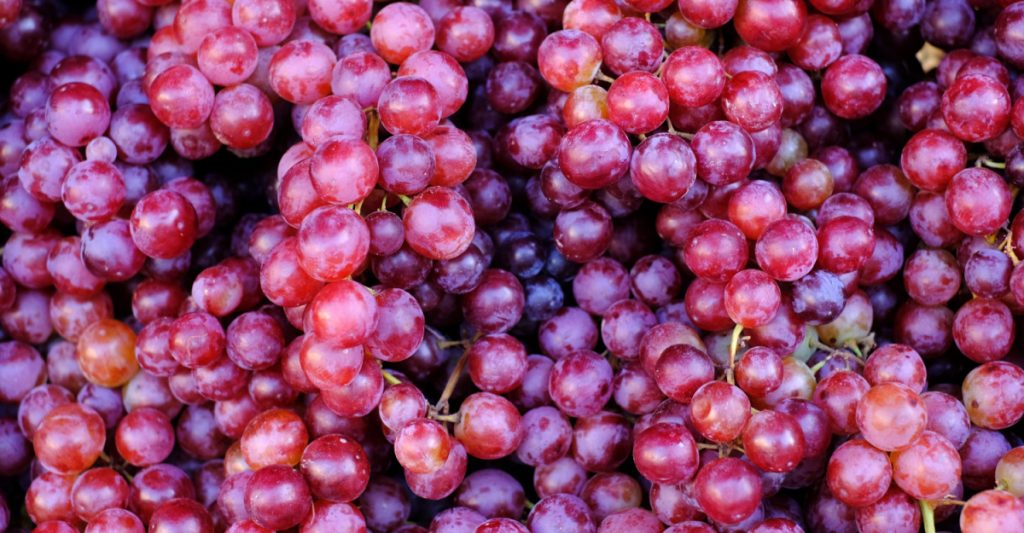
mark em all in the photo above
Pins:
pixel 495 266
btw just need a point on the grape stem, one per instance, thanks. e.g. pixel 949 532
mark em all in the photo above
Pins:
pixel 390 378
pixel 733 347
pixel 927 516
pixel 453 418
pixel 1007 247
pixel 988 162
pixel 604 77
pixel 441 407
pixel 372 129
pixel 818 345
pixel 674 131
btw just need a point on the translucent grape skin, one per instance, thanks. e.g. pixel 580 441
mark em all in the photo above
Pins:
pixel 439 224
pixel 69 439
pixel 277 497
pixel 728 489
pixel 665 453
pixel 569 59
pixel 994 395
pixel 785 19
pixel 858 474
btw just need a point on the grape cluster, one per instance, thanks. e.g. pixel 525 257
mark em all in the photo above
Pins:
pixel 484 266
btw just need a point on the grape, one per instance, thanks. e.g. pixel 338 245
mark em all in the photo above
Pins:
pixel 489 426
pixel 719 411
pixel 300 71
pixel 819 46
pixel 964 117
pixel 49 498
pixel 716 250
pixel 76 113
pixel 560 512
pixel 844 244
pixel 241 117
pixel 438 224
pixel 991 509
pixel 336 468
pixel 546 436
pixel 332 242
pixel 665 453
pixel 465 33
pixel 443 73
pixel 728 489
pixel 568 59
pixel 853 86
pixel 891 416
pixel 69 439
pixel 858 474
pixel 752 100
pixel 332 116
pixel 339 17
pixel 808 184
pixel 629 44
pixel 144 437
pixel 443 482
pixel 163 224
pixel 774 441
pixel 402 30
pixel 786 250
pixel 994 395
pixel 967 191
pixel 637 102
pixel 751 298
pixel 580 383
pixel 115 519
pixel 274 437
pixel 894 510
pixel 943 476
pixel 277 497
pixel 454 155
pixel 106 353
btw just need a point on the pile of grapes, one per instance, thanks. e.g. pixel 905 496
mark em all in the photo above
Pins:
pixel 511 266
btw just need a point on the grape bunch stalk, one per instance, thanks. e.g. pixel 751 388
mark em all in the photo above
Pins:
pixel 511 266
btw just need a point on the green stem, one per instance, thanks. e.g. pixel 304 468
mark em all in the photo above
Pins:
pixel 390 378
pixel 733 347
pixel 985 161
pixel 817 367
pixel 372 128
pixel 453 418
pixel 927 516
pixel 818 345
pixel 441 407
